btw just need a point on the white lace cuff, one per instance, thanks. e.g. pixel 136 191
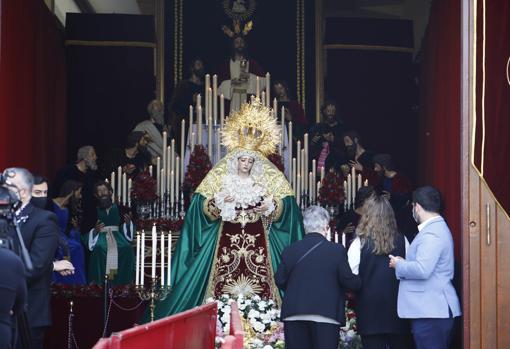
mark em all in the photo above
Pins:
pixel 128 231
pixel 227 209
pixel 270 206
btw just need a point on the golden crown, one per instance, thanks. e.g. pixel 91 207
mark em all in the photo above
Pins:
pixel 254 127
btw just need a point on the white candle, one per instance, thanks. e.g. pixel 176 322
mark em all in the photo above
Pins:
pixel 314 172
pixel 154 250
pixel 112 182
pixel 263 97
pixel 360 181
pixel 208 114
pixel 162 255
pixel 298 188
pixel 119 184
pixel 293 174
pixel 365 183
pixel 199 100
pixel 207 96
pixel 303 172
pixel 344 240
pixel 349 190
pixel 346 188
pixel 257 87
pixel 162 184
pixel 137 269
pixel 222 110
pixel 158 174
pixel 190 122
pixel 168 169
pixel 268 89
pixel 218 146
pixel 150 170
pixel 130 186
pixel 305 164
pixel 336 237
pixel 322 173
pixel 169 263
pixel 183 129
pixel 165 144
pixel 209 140
pixel 142 259
pixel 215 99
pixel 177 179
pixel 353 183
pixel 318 191
pixel 124 189
pixel 172 157
pixel 290 144
pixel 172 181
pixel 192 142
pixel 298 157
pixel 310 186
pixel 199 128
pixel 282 122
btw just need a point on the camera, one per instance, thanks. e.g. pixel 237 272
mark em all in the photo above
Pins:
pixel 9 203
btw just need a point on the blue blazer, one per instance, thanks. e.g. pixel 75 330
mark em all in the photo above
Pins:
pixel 426 290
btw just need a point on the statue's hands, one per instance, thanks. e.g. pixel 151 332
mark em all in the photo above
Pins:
pixel 229 199
pixel 262 208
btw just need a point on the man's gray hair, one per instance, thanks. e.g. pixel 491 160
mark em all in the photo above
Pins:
pixel 83 152
pixel 25 177
pixel 152 104
pixel 315 219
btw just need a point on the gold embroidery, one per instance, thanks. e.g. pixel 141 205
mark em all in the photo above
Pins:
pixel 211 210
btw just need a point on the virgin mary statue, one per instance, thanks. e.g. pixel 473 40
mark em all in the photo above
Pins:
pixel 241 217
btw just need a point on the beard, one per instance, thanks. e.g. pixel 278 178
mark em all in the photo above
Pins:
pixel 91 164
pixel 351 151
pixel 199 72
pixel 105 202
pixel 158 117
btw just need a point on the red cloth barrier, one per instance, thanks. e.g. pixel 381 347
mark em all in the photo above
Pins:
pixel 192 329
pixel 236 327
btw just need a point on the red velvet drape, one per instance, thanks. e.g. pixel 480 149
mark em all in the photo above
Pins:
pixel 439 156
pixel 32 88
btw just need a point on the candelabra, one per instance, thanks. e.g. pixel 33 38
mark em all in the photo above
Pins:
pixel 154 293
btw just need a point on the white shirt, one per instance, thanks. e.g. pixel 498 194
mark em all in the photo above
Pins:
pixel 354 254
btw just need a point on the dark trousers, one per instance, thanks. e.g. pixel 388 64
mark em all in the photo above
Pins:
pixel 432 333
pixel 37 338
pixel 386 341
pixel 311 335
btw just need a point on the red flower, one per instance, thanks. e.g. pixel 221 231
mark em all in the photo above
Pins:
pixel 162 224
pixel 199 166
pixel 144 188
pixel 332 191
pixel 277 160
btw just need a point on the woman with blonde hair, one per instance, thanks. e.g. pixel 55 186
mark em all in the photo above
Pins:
pixel 376 302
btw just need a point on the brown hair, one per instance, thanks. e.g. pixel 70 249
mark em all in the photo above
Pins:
pixel 377 225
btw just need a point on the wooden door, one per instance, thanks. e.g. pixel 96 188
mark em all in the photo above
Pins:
pixel 485 224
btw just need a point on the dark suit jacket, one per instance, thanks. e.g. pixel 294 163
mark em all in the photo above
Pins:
pixel 13 293
pixel 40 235
pixel 317 284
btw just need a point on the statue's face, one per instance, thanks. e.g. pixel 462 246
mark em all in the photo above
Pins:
pixel 244 164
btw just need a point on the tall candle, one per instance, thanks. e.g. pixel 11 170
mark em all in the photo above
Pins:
pixel 190 122
pixel 305 165
pixel 263 97
pixel 360 181
pixel 124 189
pixel 158 173
pixel 318 191
pixel 119 184
pixel 162 184
pixel 349 191
pixel 353 183
pixel 336 237
pixel 150 170
pixel 268 90
pixel 129 188
pixel 177 179
pixel 154 250
pixel 257 87
pixel 208 110
pixel 303 172
pixel 218 145
pixel 310 186
pixel 322 173
pixel 314 171
pixel 172 156
pixel 137 265
pixel 169 263
pixel 298 188
pixel 199 100
pixel 222 110
pixel 172 182
pixel 215 99
pixel 282 122
pixel 142 259
pixel 112 182
pixel 162 255
pixel 298 157
pixel 183 129
pixel 168 169
pixel 293 172
pixel 192 142
pixel 207 96
pixel 209 140
pixel 365 184
pixel 344 242
pixel 290 144
pixel 165 144
pixel 199 127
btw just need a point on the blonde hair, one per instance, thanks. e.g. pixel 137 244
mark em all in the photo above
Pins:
pixel 377 225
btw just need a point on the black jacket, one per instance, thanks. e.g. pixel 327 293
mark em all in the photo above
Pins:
pixel 317 284
pixel 40 235
pixel 13 293
pixel 376 301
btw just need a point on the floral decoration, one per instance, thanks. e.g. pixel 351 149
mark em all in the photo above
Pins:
pixel 277 160
pixel 331 192
pixel 144 188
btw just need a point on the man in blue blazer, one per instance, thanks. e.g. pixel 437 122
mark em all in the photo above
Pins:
pixel 426 294
pixel 314 274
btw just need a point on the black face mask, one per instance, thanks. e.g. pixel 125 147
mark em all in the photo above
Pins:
pixel 105 201
pixel 39 201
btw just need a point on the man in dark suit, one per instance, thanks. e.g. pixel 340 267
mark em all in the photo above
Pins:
pixel 314 274
pixel 40 234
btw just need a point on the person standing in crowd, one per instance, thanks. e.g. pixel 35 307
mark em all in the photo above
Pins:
pixel 13 295
pixel 110 242
pixel 357 156
pixel 326 137
pixel 40 192
pixel 426 294
pixel 40 236
pixel 376 301
pixel 66 207
pixel 154 127
pixel 293 110
pixel 314 274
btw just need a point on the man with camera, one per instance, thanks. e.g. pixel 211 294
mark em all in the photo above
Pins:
pixel 39 232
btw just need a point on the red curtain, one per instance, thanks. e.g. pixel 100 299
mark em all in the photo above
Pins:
pixel 439 131
pixel 32 88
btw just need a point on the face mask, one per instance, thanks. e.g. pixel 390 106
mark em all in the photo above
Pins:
pixel 158 116
pixel 105 202
pixel 39 201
